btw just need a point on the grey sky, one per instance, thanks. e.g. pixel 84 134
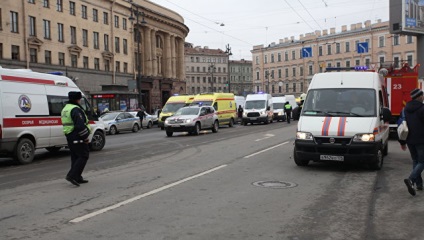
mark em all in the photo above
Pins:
pixel 254 22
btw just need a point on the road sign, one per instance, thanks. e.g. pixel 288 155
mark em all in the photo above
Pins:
pixel 307 52
pixel 362 47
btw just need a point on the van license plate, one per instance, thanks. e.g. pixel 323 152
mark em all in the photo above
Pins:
pixel 176 126
pixel 331 158
pixel 253 118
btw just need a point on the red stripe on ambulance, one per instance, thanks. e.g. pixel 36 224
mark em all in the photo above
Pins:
pixel 27 80
pixel 31 122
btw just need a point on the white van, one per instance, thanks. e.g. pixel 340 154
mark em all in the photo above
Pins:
pixel 240 101
pixel 258 108
pixel 345 119
pixel 278 105
pixel 30 113
pixel 292 100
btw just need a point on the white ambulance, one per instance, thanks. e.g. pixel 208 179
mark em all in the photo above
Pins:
pixel 258 108
pixel 30 114
pixel 344 118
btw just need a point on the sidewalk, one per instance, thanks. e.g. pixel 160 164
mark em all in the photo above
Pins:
pixel 396 213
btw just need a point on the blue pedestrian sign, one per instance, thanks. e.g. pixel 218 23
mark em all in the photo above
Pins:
pixel 362 47
pixel 307 52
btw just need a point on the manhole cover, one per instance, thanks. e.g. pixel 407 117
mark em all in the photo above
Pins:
pixel 275 184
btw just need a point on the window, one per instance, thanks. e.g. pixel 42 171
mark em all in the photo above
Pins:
pixel 279 88
pixel 396 40
pixel 381 59
pixel 347 46
pixel 46 3
pixel 1 25
pixel 47 57
pixel 84 11
pixel 125 45
pixel 310 70
pixel 279 57
pixel 85 62
pixel 106 42
pixel 286 56
pixel 117 66
pixel 116 21
pixel 14 26
pixel 272 73
pixel 294 87
pixel 72 8
pixel 73 35
pixel 396 62
pixel 74 60
pixel 59 5
pixel 96 63
pixel 124 23
pixel 294 72
pixel 266 59
pixel 117 49
pixel 62 59
pixel 293 55
pixel 46 24
pixel 32 26
pixel 409 59
pixel 95 15
pixel 279 73
pixel 125 67
pixel 60 32
pixel 287 72
pixel 337 48
pixel 320 51
pixel 357 62
pixel 338 64
pixel 347 63
pixel 287 87
pixel 301 71
pixel 85 38
pixel 105 18
pixel 107 65
pixel 257 60
pixel 367 62
pixel 96 40
pixel 273 88
pixel 329 49
pixel 381 41
pixel 300 53
pixel 272 58
pixel 1 50
pixel 56 104
pixel 33 55
pixel 257 75
pixel 408 39
pixel 15 52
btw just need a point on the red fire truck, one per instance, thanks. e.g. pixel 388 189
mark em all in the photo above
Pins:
pixel 399 82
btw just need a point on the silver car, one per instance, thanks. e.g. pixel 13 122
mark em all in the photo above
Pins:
pixel 192 119
pixel 120 121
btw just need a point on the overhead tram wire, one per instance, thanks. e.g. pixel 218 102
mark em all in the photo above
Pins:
pixel 299 15
pixel 310 13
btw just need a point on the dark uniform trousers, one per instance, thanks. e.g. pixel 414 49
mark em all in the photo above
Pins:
pixel 288 116
pixel 79 156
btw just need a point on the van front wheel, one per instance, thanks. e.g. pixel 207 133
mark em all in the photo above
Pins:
pixel 24 151
pixel 299 161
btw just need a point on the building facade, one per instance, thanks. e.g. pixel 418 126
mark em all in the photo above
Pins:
pixel 94 42
pixel 280 68
pixel 241 77
pixel 204 64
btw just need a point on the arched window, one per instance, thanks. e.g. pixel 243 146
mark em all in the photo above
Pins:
pixel 159 42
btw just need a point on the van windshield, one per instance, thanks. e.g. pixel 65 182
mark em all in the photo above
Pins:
pixel 172 107
pixel 255 104
pixel 278 105
pixel 355 102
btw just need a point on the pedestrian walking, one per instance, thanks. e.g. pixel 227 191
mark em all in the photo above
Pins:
pixel 76 129
pixel 141 115
pixel 414 116
pixel 240 113
pixel 288 110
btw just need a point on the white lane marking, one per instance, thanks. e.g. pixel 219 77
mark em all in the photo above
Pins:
pixel 157 190
pixel 266 137
pixel 267 149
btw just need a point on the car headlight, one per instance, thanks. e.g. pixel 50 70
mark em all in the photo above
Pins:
pixel 280 113
pixel 187 121
pixel 364 137
pixel 166 121
pixel 244 114
pixel 304 136
pixel 262 113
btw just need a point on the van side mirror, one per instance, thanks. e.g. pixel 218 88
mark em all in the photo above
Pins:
pixel 385 114
pixel 268 108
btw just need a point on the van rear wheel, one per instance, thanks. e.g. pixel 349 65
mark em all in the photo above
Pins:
pixel 24 151
pixel 231 124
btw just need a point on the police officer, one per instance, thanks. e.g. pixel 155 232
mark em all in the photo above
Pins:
pixel 288 109
pixel 77 129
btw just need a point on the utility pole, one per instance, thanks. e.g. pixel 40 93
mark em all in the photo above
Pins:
pixel 211 70
pixel 229 53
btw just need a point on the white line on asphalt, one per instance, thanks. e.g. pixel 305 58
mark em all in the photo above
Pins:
pixel 157 190
pixel 267 149
pixel 266 137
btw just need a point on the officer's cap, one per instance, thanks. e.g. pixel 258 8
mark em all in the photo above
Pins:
pixel 74 95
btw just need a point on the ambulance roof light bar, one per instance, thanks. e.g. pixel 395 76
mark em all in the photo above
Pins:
pixel 56 73
pixel 338 69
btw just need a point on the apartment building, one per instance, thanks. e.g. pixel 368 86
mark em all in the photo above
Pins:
pixel 241 77
pixel 94 42
pixel 206 69
pixel 280 68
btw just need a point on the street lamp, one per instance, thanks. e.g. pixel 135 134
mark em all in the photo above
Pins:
pixel 134 11
pixel 229 53
pixel 211 70
pixel 267 81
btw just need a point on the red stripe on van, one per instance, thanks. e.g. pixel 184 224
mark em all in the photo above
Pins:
pixel 27 80
pixel 222 99
pixel 31 122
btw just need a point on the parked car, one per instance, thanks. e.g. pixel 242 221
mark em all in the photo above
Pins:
pixel 147 121
pixel 116 122
pixel 192 119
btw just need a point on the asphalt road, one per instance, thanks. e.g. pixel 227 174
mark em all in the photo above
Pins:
pixel 239 183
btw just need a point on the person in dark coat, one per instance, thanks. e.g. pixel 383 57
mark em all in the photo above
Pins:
pixel 77 130
pixel 240 112
pixel 414 115
pixel 141 114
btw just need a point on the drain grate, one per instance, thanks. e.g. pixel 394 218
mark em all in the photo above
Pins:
pixel 275 184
